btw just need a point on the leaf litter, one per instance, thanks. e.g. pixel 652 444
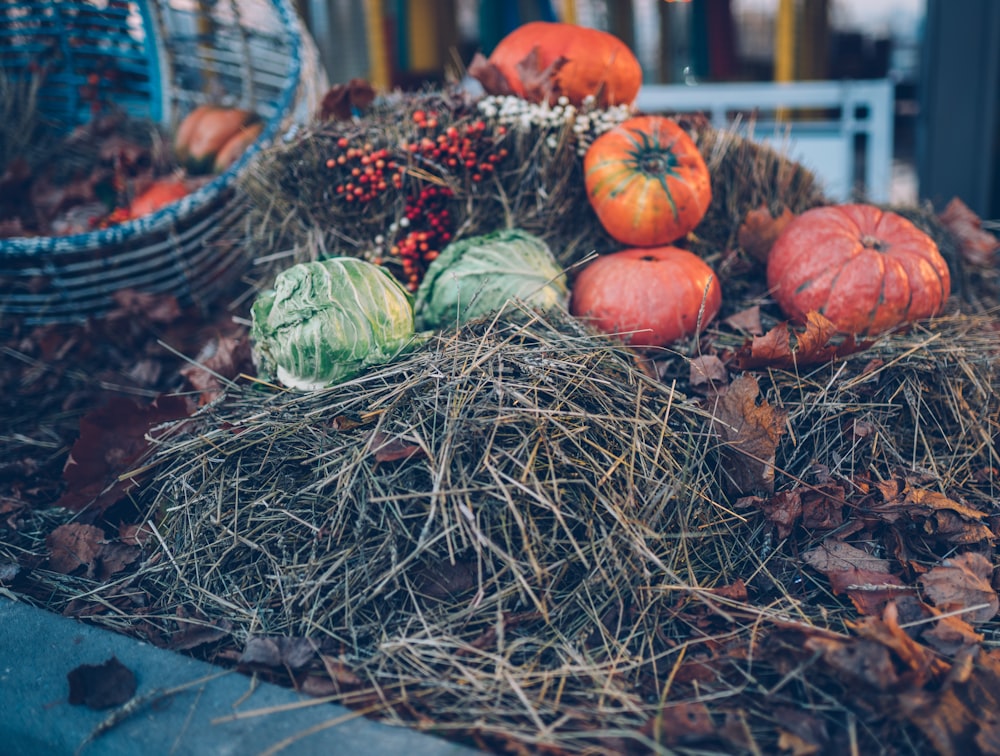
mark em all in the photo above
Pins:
pixel 527 538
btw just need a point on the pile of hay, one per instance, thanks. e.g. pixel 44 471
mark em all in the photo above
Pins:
pixel 514 536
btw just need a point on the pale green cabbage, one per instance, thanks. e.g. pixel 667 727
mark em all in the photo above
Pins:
pixel 479 275
pixel 326 321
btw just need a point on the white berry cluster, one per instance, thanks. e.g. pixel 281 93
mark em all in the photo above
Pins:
pixel 582 124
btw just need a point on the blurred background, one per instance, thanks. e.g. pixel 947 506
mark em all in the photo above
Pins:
pixel 940 61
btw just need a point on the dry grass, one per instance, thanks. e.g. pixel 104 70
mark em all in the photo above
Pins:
pixel 551 565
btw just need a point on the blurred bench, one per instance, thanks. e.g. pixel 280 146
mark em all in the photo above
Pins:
pixel 841 130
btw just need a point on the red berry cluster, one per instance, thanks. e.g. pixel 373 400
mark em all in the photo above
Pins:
pixel 364 172
pixel 426 229
pixel 466 147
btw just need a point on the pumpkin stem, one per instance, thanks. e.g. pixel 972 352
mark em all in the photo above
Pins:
pixel 871 242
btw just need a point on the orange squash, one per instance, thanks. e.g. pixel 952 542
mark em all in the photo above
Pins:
pixel 647 181
pixel 866 269
pixel 205 131
pixel 236 146
pixel 648 297
pixel 159 194
pixel 543 61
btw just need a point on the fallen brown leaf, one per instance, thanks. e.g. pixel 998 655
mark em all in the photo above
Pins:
pixel 74 545
pixel 708 370
pixel 975 245
pixel 864 578
pixel 387 449
pixel 101 686
pixel 963 583
pixel 747 320
pixel 759 230
pixel 343 101
pixel 112 438
pixel 749 433
pixel 936 514
pixel 782 347
pixel 278 651
pixel 680 723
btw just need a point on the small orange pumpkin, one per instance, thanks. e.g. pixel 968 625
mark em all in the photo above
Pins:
pixel 649 297
pixel 205 131
pixel 237 144
pixel 647 181
pixel 542 61
pixel 866 269
pixel 159 194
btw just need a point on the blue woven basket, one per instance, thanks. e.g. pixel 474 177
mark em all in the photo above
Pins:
pixel 169 56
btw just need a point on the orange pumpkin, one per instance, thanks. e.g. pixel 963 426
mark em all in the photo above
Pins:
pixel 866 269
pixel 543 61
pixel 649 297
pixel 238 143
pixel 205 131
pixel 647 181
pixel 159 194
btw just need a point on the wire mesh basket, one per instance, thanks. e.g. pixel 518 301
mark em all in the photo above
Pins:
pixel 168 56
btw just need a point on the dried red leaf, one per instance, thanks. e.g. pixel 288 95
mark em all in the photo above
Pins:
pixel 749 433
pixel 278 651
pixel 101 686
pixel 963 584
pixel 783 510
pixel 950 635
pixel 74 545
pixel 747 320
pixel 540 84
pixel 759 229
pixel 154 308
pixel 781 347
pixel 934 513
pixel 976 246
pixel 112 438
pixel 344 101
pixel 392 449
pixel 864 578
pixel 684 722
pixel 708 370
pixel 222 358
pixel 489 76
pixel 823 507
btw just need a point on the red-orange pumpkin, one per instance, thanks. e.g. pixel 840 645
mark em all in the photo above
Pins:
pixel 866 269
pixel 159 194
pixel 205 131
pixel 647 181
pixel 649 297
pixel 544 60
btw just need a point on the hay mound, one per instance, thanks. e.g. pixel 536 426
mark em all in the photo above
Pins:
pixel 514 536
pixel 503 511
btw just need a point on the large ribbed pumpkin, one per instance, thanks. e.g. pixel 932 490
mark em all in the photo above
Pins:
pixel 647 181
pixel 582 61
pixel 866 269
pixel 648 297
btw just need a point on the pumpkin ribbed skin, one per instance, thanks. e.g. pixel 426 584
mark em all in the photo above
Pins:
pixel 596 63
pixel 649 297
pixel 866 269
pixel 647 181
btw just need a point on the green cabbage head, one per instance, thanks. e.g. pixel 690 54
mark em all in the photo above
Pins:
pixel 478 275
pixel 326 321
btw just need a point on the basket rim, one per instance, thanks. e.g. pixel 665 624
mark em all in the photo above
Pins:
pixel 167 216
